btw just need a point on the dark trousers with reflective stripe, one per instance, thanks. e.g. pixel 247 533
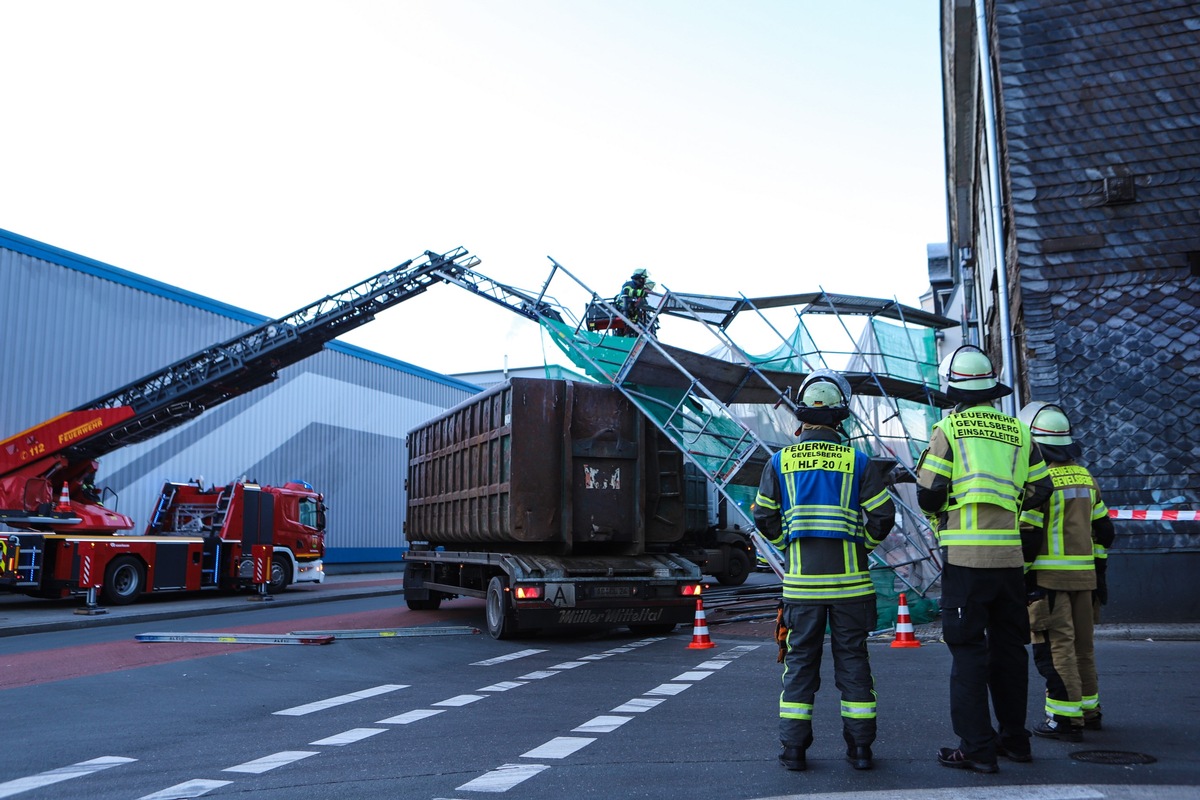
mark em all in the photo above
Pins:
pixel 849 623
pixel 986 626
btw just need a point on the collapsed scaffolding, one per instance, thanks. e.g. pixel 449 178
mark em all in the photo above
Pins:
pixel 728 410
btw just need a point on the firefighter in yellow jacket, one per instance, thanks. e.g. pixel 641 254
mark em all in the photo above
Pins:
pixel 980 470
pixel 825 505
pixel 1068 529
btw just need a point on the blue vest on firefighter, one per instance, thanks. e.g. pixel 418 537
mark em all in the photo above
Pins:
pixel 819 483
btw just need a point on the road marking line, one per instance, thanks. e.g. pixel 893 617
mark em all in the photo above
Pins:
pixel 321 705
pixel 714 664
pixel 503 778
pixel 570 665
pixel 602 724
pixel 595 657
pixel 459 700
pixel 9 788
pixel 349 737
pixel 637 705
pixel 559 747
pixel 266 763
pixel 186 790
pixel 502 686
pixel 501 659
pixel 697 675
pixel 620 650
pixel 668 688
pixel 411 716
pixel 533 676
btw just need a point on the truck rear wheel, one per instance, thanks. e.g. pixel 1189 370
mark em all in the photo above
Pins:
pixel 737 567
pixel 499 610
pixel 124 581
pixel 416 597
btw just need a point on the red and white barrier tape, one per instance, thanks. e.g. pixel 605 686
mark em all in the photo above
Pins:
pixel 1142 513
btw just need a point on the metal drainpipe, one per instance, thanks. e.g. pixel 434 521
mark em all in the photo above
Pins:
pixel 990 123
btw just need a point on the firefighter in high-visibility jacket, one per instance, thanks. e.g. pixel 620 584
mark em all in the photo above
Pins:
pixel 1068 530
pixel 825 505
pixel 980 470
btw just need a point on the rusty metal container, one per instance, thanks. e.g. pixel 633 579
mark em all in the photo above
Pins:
pixel 544 466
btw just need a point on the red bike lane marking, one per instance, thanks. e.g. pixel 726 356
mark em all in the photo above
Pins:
pixel 45 666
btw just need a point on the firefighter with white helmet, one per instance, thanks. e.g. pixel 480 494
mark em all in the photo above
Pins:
pixel 825 505
pixel 1063 578
pixel 980 471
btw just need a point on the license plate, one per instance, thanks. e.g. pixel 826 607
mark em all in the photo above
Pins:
pixel 612 591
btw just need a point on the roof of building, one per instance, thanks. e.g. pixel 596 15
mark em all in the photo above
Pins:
pixel 69 260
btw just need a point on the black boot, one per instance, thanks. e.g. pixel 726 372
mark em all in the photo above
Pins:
pixel 793 758
pixel 1059 728
pixel 860 756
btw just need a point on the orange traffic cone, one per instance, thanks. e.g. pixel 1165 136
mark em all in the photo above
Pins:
pixel 904 628
pixel 64 501
pixel 700 640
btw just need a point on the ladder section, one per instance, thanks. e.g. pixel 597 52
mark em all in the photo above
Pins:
pixel 168 398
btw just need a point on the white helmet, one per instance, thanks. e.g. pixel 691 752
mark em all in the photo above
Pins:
pixel 968 374
pixel 1048 424
pixel 824 388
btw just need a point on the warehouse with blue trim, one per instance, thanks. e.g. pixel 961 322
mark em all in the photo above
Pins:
pixel 75 329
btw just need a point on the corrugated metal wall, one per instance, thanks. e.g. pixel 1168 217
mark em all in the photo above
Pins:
pixel 74 329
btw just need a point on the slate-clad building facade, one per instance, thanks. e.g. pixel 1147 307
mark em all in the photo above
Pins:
pixel 75 329
pixel 1095 111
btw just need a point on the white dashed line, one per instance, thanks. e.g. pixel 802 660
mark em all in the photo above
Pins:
pixel 186 790
pixel 321 705
pixel 411 716
pixel 459 700
pixel 695 675
pixel 534 676
pixel 601 725
pixel 559 747
pixel 502 686
pixel 9 788
pixel 510 657
pixel 714 664
pixel 636 706
pixel 266 763
pixel 668 688
pixel 349 737
pixel 503 778
pixel 570 665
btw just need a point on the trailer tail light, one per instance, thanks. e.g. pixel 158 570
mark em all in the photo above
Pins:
pixel 692 589
pixel 528 592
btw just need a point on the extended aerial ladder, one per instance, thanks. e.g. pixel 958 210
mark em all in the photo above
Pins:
pixel 36 463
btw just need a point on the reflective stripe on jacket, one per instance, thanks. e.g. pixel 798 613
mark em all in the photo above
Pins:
pixel 1066 559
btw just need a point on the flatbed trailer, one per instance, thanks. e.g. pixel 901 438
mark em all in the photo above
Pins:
pixel 528 593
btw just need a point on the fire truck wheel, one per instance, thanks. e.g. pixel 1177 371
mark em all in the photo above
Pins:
pixel 124 581
pixel 737 567
pixel 281 576
pixel 499 610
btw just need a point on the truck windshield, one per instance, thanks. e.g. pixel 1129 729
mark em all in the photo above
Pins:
pixel 308 513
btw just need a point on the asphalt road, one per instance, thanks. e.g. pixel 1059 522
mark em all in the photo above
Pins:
pixel 91 712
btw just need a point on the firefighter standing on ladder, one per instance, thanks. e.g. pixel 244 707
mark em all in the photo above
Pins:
pixel 980 470
pixel 632 300
pixel 1062 579
pixel 825 505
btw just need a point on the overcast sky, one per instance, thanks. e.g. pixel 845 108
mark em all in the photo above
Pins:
pixel 266 154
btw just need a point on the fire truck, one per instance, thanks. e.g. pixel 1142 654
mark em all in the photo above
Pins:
pixel 68 539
